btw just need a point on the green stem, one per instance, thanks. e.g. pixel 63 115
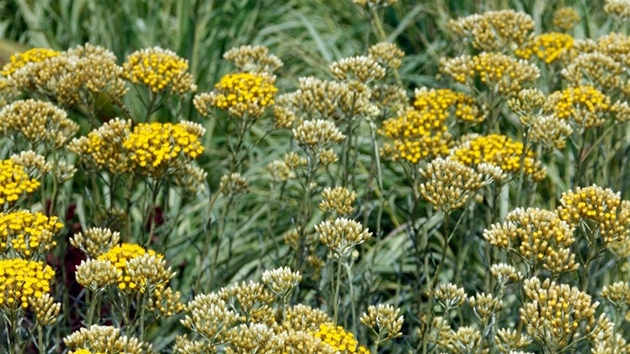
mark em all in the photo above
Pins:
pixel 337 290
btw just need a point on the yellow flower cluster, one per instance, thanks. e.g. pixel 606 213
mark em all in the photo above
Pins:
pixel 153 148
pixel 501 151
pixel 342 341
pixel 28 232
pixel 14 182
pixel 548 47
pixel 159 69
pixel 119 256
pixel 604 210
pixel 440 102
pixel 500 72
pixel 21 280
pixel 20 60
pixel 417 135
pixel 583 105
pixel 241 94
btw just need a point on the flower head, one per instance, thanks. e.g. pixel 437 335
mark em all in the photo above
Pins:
pixel 155 148
pixel 501 151
pixel 499 72
pixel 339 339
pixel 242 95
pixel 160 70
pixel 28 234
pixel 504 30
pixel 103 148
pixel 254 59
pixel 566 18
pixel 585 107
pixel 14 182
pixel 120 257
pixel 20 60
pixel 22 280
pixel 342 235
pixel 449 185
pixel 38 122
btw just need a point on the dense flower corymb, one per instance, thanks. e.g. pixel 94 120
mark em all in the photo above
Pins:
pixel 14 182
pixel 153 148
pixel 28 232
pixel 20 60
pixel 159 69
pixel 119 256
pixel 339 339
pixel 241 94
pixel 501 151
pixel 21 280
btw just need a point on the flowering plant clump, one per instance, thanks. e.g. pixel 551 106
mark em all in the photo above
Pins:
pixel 20 60
pixel 28 234
pixel 21 281
pixel 154 148
pixel 159 70
pixel 442 102
pixel 14 182
pixel 242 95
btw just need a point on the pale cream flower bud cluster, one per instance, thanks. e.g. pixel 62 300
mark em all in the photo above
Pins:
pixel 557 314
pixel 449 296
pixel 342 235
pixel 509 340
pixel 619 8
pixel 281 280
pixel 566 18
pixel 505 274
pixel 317 134
pixel 338 200
pixel 363 69
pixel 501 73
pixel 46 309
pixel 73 75
pixel 540 237
pixel 191 178
pixel 387 55
pixel 603 211
pixel 97 274
pixel 385 319
pixel 32 162
pixel 95 241
pixel 251 300
pixel 233 184
pixel 254 59
pixel 105 339
pixel 280 171
pixel 505 30
pixel 449 185
pixel 38 122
